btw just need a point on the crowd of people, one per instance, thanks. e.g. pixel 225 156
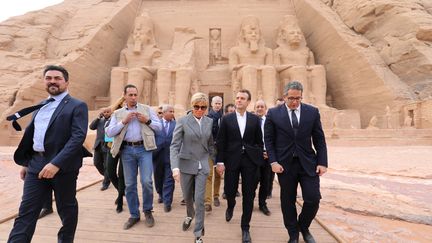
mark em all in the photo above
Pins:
pixel 197 150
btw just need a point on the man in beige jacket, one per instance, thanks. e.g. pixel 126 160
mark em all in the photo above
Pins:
pixel 133 130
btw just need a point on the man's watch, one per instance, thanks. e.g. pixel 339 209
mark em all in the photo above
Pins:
pixel 148 122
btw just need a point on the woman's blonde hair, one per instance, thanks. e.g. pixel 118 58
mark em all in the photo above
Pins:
pixel 199 97
pixel 118 104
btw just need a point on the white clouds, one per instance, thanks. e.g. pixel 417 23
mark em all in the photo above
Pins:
pixel 9 8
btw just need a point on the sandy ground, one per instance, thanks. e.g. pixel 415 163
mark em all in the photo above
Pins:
pixel 379 194
pixel 370 194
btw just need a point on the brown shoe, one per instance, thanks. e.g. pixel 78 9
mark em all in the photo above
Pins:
pixel 149 220
pixel 216 202
pixel 208 208
pixel 131 222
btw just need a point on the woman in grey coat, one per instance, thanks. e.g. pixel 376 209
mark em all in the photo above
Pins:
pixel 191 147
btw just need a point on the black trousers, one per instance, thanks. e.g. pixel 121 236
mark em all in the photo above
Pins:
pixel 117 178
pixel 264 177
pixel 100 162
pixel 310 186
pixel 162 173
pixel 34 193
pixel 248 172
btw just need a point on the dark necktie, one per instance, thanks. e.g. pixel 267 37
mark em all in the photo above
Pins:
pixel 295 123
pixel 24 112
pixel 166 128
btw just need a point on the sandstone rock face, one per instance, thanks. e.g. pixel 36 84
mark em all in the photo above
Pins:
pixel 373 63
pixel 400 31
pixel 73 34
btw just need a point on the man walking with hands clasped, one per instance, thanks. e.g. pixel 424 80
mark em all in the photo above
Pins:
pixel 133 130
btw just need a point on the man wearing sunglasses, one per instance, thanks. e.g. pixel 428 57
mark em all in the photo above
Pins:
pixel 289 132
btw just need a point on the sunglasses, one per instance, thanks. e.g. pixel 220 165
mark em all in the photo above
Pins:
pixel 197 107
pixel 159 112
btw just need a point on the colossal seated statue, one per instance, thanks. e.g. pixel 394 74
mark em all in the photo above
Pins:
pixel 294 61
pixel 175 76
pixel 252 65
pixel 136 62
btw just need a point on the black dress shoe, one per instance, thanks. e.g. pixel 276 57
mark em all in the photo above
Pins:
pixel 246 237
pixel 293 240
pixel 307 236
pixel 119 208
pixel 264 209
pixel 182 202
pixel 104 187
pixel 45 211
pixel 167 208
pixel 229 214
pixel 186 223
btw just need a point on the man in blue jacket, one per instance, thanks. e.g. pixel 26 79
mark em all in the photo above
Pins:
pixel 51 155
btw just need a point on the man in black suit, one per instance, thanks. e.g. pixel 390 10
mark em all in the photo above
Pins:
pixel 100 149
pixel 240 151
pixel 51 154
pixel 289 132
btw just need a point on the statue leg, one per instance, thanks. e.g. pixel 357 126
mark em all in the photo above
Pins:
pixel 299 73
pixel 163 85
pixel 250 82
pixel 136 77
pixel 319 85
pixel 182 89
pixel 269 86
pixel 147 87
pixel 117 83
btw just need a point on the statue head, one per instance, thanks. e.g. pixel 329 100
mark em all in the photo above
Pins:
pixel 250 33
pixel 290 33
pixel 214 34
pixel 143 33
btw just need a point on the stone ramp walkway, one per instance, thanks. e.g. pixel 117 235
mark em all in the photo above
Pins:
pixel 98 222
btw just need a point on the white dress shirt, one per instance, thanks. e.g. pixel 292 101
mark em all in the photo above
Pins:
pixel 296 111
pixel 241 120
pixel 42 120
pixel 263 118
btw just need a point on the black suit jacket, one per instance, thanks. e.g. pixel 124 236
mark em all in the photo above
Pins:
pixel 64 138
pixel 98 124
pixel 229 142
pixel 281 142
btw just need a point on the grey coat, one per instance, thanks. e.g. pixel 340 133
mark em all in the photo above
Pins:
pixel 190 146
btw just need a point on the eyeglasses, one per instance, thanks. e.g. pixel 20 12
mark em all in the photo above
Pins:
pixel 292 99
pixel 197 107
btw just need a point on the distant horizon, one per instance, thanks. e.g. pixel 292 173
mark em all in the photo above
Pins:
pixel 13 8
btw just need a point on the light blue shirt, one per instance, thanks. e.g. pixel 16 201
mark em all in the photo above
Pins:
pixel 42 120
pixel 133 132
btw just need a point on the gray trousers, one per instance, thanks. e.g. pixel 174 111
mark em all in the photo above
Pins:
pixel 193 187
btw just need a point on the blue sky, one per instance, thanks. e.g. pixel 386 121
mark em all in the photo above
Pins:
pixel 9 8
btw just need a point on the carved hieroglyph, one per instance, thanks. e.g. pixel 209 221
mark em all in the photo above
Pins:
pixel 251 63
pixel 136 61
pixel 294 61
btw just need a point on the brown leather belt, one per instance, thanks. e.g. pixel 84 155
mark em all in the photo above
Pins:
pixel 133 143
